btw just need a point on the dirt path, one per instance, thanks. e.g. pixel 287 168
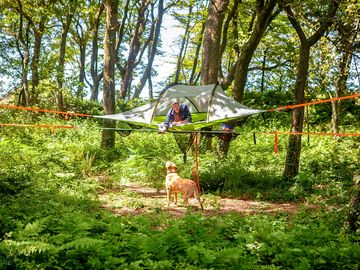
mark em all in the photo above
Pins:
pixel 137 199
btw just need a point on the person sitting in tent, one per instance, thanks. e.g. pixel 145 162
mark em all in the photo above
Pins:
pixel 178 115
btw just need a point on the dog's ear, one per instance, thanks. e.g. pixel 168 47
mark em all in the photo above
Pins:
pixel 170 164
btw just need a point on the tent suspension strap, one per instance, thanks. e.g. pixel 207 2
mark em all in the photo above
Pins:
pixel 183 143
pixel 197 138
pixel 69 113
pixel 34 126
pixel 313 103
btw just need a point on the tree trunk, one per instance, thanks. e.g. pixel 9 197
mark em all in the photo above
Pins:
pixel 24 93
pixel 154 43
pixel 263 64
pixel 211 46
pixel 151 93
pixel 225 139
pixel 239 72
pixel 60 69
pixel 344 66
pixel 96 77
pixel 231 17
pixel 24 54
pixel 80 91
pixel 35 62
pixel 182 47
pixel 263 19
pixel 121 31
pixel 294 147
pixel 133 50
pixel 192 79
pixel 108 136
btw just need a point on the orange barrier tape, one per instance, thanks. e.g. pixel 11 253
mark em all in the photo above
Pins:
pixel 276 139
pixel 312 103
pixel 36 126
pixel 313 133
pixel 43 110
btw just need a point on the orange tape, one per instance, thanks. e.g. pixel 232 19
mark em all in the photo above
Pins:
pixel 197 162
pixel 276 139
pixel 43 110
pixel 313 133
pixel 312 103
pixel 36 126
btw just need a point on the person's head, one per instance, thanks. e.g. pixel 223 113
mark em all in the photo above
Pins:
pixel 175 105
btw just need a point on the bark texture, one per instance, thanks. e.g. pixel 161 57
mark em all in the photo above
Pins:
pixel 108 136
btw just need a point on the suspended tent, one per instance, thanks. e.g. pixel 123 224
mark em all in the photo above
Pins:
pixel 208 105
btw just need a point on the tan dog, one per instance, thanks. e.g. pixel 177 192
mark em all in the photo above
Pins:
pixel 175 184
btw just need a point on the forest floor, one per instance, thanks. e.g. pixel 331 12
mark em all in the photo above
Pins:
pixel 133 199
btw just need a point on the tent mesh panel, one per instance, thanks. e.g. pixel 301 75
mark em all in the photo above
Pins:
pixel 184 141
pixel 123 133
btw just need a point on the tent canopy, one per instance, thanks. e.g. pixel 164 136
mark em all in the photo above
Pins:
pixel 208 105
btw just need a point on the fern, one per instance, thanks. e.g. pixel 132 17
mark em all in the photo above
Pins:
pixel 83 243
pixel 27 247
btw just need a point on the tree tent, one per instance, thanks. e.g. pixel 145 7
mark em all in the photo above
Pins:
pixel 208 105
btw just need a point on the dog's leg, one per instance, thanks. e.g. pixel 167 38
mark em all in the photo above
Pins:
pixel 168 193
pixel 175 195
pixel 197 196
pixel 186 197
pixel 186 201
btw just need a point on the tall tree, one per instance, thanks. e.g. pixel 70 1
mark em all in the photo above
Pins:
pixel 348 30
pixel 32 39
pixel 153 39
pixel 37 25
pixel 66 23
pixel 81 34
pixel 190 42
pixel 38 31
pixel 262 17
pixel 121 36
pixel 230 21
pixel 184 42
pixel 96 73
pixel 194 76
pixel 22 45
pixel 294 146
pixel 108 136
pixel 134 48
pixel 211 45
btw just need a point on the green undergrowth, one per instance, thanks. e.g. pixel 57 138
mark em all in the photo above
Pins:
pixel 51 216
pixel 72 232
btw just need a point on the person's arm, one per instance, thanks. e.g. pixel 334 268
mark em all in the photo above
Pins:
pixel 186 115
pixel 169 118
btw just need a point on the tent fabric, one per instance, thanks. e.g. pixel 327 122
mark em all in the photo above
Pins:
pixel 208 105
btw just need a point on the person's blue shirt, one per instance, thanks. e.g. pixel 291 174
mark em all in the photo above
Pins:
pixel 184 115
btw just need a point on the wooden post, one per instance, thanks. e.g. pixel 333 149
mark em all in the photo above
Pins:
pixel 276 142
